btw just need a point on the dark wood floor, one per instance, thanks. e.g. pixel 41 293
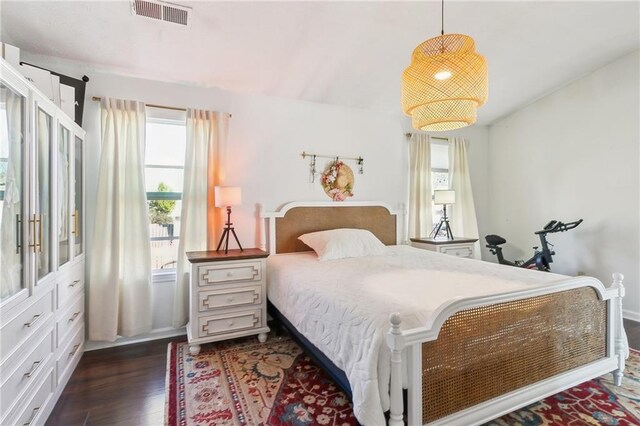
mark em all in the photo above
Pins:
pixel 116 386
pixel 125 385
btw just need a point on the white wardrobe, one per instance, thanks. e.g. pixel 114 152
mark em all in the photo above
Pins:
pixel 41 250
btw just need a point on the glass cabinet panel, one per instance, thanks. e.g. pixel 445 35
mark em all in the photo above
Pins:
pixel 40 223
pixel 12 190
pixel 62 185
pixel 79 198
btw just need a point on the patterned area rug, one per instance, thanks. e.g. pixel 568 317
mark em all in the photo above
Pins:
pixel 243 382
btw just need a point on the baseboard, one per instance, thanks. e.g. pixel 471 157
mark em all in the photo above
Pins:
pixel 161 333
pixel 633 316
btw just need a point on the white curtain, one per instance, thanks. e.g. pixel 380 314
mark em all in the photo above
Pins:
pixel 120 266
pixel 200 223
pixel 462 214
pixel 420 192
pixel 11 153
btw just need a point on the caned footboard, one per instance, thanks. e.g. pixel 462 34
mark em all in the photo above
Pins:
pixel 479 360
pixel 488 351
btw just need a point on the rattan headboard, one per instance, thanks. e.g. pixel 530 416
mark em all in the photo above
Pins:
pixel 295 219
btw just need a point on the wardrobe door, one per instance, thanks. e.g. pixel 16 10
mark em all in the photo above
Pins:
pixel 78 188
pixel 41 218
pixel 12 191
pixel 63 214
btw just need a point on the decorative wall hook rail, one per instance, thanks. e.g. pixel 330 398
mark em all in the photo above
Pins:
pixel 312 164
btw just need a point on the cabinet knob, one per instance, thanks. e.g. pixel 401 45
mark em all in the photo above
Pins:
pixel 229 274
pixel 230 323
pixel 230 299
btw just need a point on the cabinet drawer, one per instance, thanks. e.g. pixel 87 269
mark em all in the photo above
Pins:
pixel 67 319
pixel 28 369
pixel 216 299
pixel 212 274
pixel 72 351
pixel 31 415
pixel 69 284
pixel 18 329
pixel 220 324
pixel 465 251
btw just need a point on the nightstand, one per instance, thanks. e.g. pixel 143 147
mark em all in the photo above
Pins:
pixel 459 246
pixel 228 296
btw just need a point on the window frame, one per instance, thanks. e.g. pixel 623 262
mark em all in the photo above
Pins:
pixel 175 118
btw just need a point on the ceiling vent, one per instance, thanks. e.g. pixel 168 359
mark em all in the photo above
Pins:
pixel 162 11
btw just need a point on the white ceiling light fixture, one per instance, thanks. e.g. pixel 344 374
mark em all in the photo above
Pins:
pixel 162 11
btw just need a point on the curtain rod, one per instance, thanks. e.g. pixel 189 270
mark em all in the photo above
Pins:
pixel 408 135
pixel 98 99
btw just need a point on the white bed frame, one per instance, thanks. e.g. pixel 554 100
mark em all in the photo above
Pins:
pixel 410 341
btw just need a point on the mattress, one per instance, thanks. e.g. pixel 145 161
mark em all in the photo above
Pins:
pixel 343 306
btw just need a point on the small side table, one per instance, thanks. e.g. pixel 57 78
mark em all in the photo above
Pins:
pixel 228 296
pixel 459 246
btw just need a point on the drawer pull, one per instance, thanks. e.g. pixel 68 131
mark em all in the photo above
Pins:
pixel 230 323
pixel 74 316
pixel 230 299
pixel 33 320
pixel 74 350
pixel 229 274
pixel 34 367
pixel 33 416
pixel 73 284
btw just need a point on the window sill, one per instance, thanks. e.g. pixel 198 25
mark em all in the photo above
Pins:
pixel 163 276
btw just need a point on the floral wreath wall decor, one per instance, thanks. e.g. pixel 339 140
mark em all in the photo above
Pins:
pixel 337 181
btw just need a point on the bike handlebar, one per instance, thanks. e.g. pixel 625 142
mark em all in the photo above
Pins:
pixel 557 226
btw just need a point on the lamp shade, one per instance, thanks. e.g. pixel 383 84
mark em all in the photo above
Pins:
pixel 227 196
pixel 444 196
pixel 445 83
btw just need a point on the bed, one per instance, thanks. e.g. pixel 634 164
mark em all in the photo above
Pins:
pixel 468 340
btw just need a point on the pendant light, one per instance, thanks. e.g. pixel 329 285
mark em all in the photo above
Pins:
pixel 445 83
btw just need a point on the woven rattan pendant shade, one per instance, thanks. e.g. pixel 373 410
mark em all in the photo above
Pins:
pixel 445 83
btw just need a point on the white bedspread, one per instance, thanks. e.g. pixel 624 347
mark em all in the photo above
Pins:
pixel 343 306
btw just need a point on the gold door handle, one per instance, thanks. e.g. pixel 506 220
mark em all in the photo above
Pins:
pixel 75 222
pixel 32 222
pixel 40 234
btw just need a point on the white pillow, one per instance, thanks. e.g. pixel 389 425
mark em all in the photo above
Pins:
pixel 344 242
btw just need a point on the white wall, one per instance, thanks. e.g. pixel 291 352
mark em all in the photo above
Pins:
pixel 574 154
pixel 266 137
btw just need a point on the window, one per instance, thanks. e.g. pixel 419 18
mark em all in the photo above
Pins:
pixel 439 171
pixel 164 173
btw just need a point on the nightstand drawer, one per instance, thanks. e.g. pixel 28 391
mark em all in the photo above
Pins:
pixel 229 273
pixel 458 251
pixel 221 324
pixel 215 299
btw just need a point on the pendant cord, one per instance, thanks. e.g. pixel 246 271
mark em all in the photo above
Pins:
pixel 442 8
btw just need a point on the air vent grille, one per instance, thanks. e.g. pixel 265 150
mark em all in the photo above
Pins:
pixel 162 11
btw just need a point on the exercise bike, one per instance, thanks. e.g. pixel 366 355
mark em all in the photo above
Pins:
pixel 541 258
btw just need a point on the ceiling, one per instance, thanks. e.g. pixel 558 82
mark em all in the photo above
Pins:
pixel 341 53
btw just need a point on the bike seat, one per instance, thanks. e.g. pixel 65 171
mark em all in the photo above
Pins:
pixel 494 240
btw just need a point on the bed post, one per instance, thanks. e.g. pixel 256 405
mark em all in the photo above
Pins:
pixel 621 346
pixel 396 343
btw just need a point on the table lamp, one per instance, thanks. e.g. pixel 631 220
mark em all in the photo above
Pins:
pixel 227 196
pixel 443 197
